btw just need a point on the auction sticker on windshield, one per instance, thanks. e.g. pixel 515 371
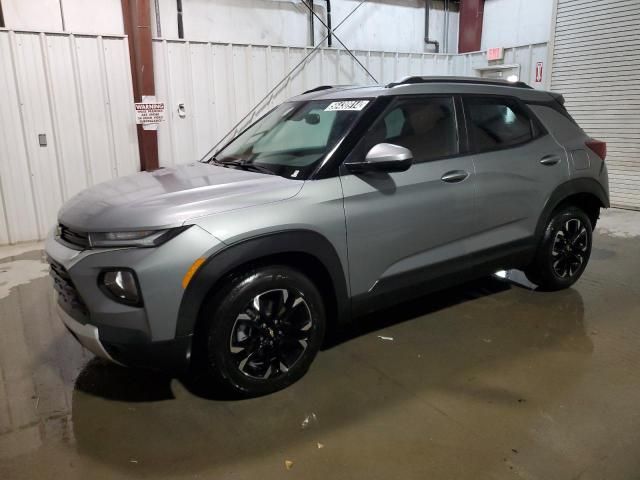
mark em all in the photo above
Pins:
pixel 348 105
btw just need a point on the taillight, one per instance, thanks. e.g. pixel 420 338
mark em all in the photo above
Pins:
pixel 599 147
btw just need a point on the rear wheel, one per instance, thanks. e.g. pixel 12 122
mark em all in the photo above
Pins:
pixel 564 251
pixel 263 330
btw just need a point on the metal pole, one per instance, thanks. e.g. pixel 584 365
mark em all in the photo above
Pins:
pixel 285 79
pixel 312 32
pixel 137 25
pixel 158 24
pixel 64 28
pixel 180 24
pixel 329 22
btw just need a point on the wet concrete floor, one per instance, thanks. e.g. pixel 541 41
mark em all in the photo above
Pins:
pixel 488 380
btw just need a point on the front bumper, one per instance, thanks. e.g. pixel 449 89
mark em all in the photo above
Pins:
pixel 139 336
pixel 87 335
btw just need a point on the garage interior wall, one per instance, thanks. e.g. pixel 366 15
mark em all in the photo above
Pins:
pixel 66 123
pixel 596 66
pixel 282 22
pixel 76 90
pixel 237 76
pixel 516 22
pixel 266 22
pixel 79 16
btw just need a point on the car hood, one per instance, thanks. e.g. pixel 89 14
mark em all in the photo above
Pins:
pixel 171 196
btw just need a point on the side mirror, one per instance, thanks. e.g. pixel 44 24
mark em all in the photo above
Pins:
pixel 384 157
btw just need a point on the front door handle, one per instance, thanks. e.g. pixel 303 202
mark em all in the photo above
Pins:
pixel 550 160
pixel 454 176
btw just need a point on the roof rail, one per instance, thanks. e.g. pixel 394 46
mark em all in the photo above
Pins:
pixel 470 80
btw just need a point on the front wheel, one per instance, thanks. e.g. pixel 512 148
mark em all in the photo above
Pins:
pixel 564 252
pixel 264 330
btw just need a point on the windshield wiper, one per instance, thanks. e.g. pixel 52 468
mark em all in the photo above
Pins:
pixel 244 165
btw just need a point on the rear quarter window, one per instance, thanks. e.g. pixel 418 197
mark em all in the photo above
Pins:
pixel 497 123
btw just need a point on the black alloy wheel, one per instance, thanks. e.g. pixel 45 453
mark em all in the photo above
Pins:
pixel 564 251
pixel 262 330
pixel 570 245
pixel 271 333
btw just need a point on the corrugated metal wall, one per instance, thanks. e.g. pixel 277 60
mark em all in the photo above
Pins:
pixel 526 56
pixel 596 66
pixel 219 83
pixel 77 91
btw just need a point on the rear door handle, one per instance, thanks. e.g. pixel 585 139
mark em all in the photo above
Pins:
pixel 550 160
pixel 454 176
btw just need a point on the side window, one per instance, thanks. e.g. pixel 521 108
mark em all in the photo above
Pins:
pixel 497 123
pixel 426 126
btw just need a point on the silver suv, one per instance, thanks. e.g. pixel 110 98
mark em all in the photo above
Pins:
pixel 333 204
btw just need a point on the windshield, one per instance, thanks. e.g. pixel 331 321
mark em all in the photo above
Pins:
pixel 293 138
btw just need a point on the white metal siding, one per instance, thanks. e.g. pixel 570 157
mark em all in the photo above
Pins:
pixel 220 83
pixel 77 91
pixel 596 66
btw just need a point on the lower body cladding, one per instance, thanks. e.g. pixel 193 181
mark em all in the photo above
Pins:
pixel 141 334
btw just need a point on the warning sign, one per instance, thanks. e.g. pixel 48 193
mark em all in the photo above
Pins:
pixel 150 112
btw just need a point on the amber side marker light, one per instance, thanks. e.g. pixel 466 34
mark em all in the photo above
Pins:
pixel 192 271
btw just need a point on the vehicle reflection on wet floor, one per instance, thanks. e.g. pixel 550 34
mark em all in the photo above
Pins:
pixel 488 380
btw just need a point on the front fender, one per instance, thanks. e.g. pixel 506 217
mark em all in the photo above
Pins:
pixel 255 248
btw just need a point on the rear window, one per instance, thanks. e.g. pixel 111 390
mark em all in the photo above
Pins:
pixel 496 123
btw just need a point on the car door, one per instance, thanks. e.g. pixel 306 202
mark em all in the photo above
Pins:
pixel 399 224
pixel 517 166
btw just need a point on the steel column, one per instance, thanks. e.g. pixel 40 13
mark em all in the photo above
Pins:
pixel 470 34
pixel 137 25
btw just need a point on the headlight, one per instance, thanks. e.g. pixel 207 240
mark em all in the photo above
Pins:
pixel 142 238
pixel 121 285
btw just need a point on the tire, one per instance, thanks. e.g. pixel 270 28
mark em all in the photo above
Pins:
pixel 559 262
pixel 263 330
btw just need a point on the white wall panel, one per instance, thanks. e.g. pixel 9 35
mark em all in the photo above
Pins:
pixel 526 57
pixel 507 23
pixel 86 16
pixel 220 83
pixel 286 23
pixel 77 91
pixel 32 14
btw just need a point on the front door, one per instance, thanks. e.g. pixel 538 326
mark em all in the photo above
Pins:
pixel 400 224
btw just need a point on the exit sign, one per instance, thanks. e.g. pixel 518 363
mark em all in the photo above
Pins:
pixel 495 53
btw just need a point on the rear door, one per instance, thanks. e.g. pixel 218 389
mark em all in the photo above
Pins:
pixel 518 164
pixel 399 224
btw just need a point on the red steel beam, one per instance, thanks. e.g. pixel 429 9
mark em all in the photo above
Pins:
pixel 470 32
pixel 137 26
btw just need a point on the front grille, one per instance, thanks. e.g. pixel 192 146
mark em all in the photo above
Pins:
pixel 67 293
pixel 79 239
